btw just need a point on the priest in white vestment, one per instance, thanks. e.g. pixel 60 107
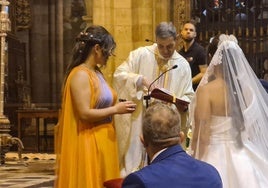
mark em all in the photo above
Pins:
pixel 132 80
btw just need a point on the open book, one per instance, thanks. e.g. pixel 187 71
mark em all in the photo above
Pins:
pixel 165 95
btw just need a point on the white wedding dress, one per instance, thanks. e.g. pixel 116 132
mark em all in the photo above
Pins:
pixel 235 142
pixel 239 167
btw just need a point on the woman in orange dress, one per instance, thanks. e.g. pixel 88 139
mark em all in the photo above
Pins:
pixel 85 141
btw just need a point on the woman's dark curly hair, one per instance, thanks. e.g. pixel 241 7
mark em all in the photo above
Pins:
pixel 86 40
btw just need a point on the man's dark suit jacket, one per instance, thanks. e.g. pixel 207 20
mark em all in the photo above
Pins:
pixel 173 168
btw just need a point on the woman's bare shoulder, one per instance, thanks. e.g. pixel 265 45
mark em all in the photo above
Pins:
pixel 79 76
pixel 210 89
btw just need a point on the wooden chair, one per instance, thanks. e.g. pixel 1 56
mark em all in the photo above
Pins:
pixel 113 183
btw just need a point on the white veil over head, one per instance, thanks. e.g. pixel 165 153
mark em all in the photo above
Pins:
pixel 230 88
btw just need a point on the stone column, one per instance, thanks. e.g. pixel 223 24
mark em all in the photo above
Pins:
pixel 89 10
pixel 58 68
pixel 4 121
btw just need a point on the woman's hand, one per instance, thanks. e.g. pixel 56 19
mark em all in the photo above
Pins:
pixel 125 107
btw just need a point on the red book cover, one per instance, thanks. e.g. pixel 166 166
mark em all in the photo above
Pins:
pixel 165 95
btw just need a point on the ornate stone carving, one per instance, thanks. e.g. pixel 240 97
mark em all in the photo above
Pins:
pixel 181 13
pixel 23 14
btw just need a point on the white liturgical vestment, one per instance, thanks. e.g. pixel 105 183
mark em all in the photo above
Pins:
pixel 145 61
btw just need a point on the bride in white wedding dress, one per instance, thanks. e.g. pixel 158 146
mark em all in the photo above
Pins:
pixel 229 115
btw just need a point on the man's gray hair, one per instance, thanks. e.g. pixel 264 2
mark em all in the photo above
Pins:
pixel 161 124
pixel 165 30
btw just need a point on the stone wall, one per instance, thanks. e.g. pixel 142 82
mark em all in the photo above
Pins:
pixel 131 22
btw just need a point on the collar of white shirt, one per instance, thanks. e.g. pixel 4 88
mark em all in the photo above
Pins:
pixel 158 153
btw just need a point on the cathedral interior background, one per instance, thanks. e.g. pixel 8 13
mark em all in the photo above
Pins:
pixel 39 45
pixel 36 46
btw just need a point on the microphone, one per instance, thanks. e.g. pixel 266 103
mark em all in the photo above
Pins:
pixel 148 97
pixel 148 40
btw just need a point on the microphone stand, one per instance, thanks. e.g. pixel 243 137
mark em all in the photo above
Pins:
pixel 148 96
